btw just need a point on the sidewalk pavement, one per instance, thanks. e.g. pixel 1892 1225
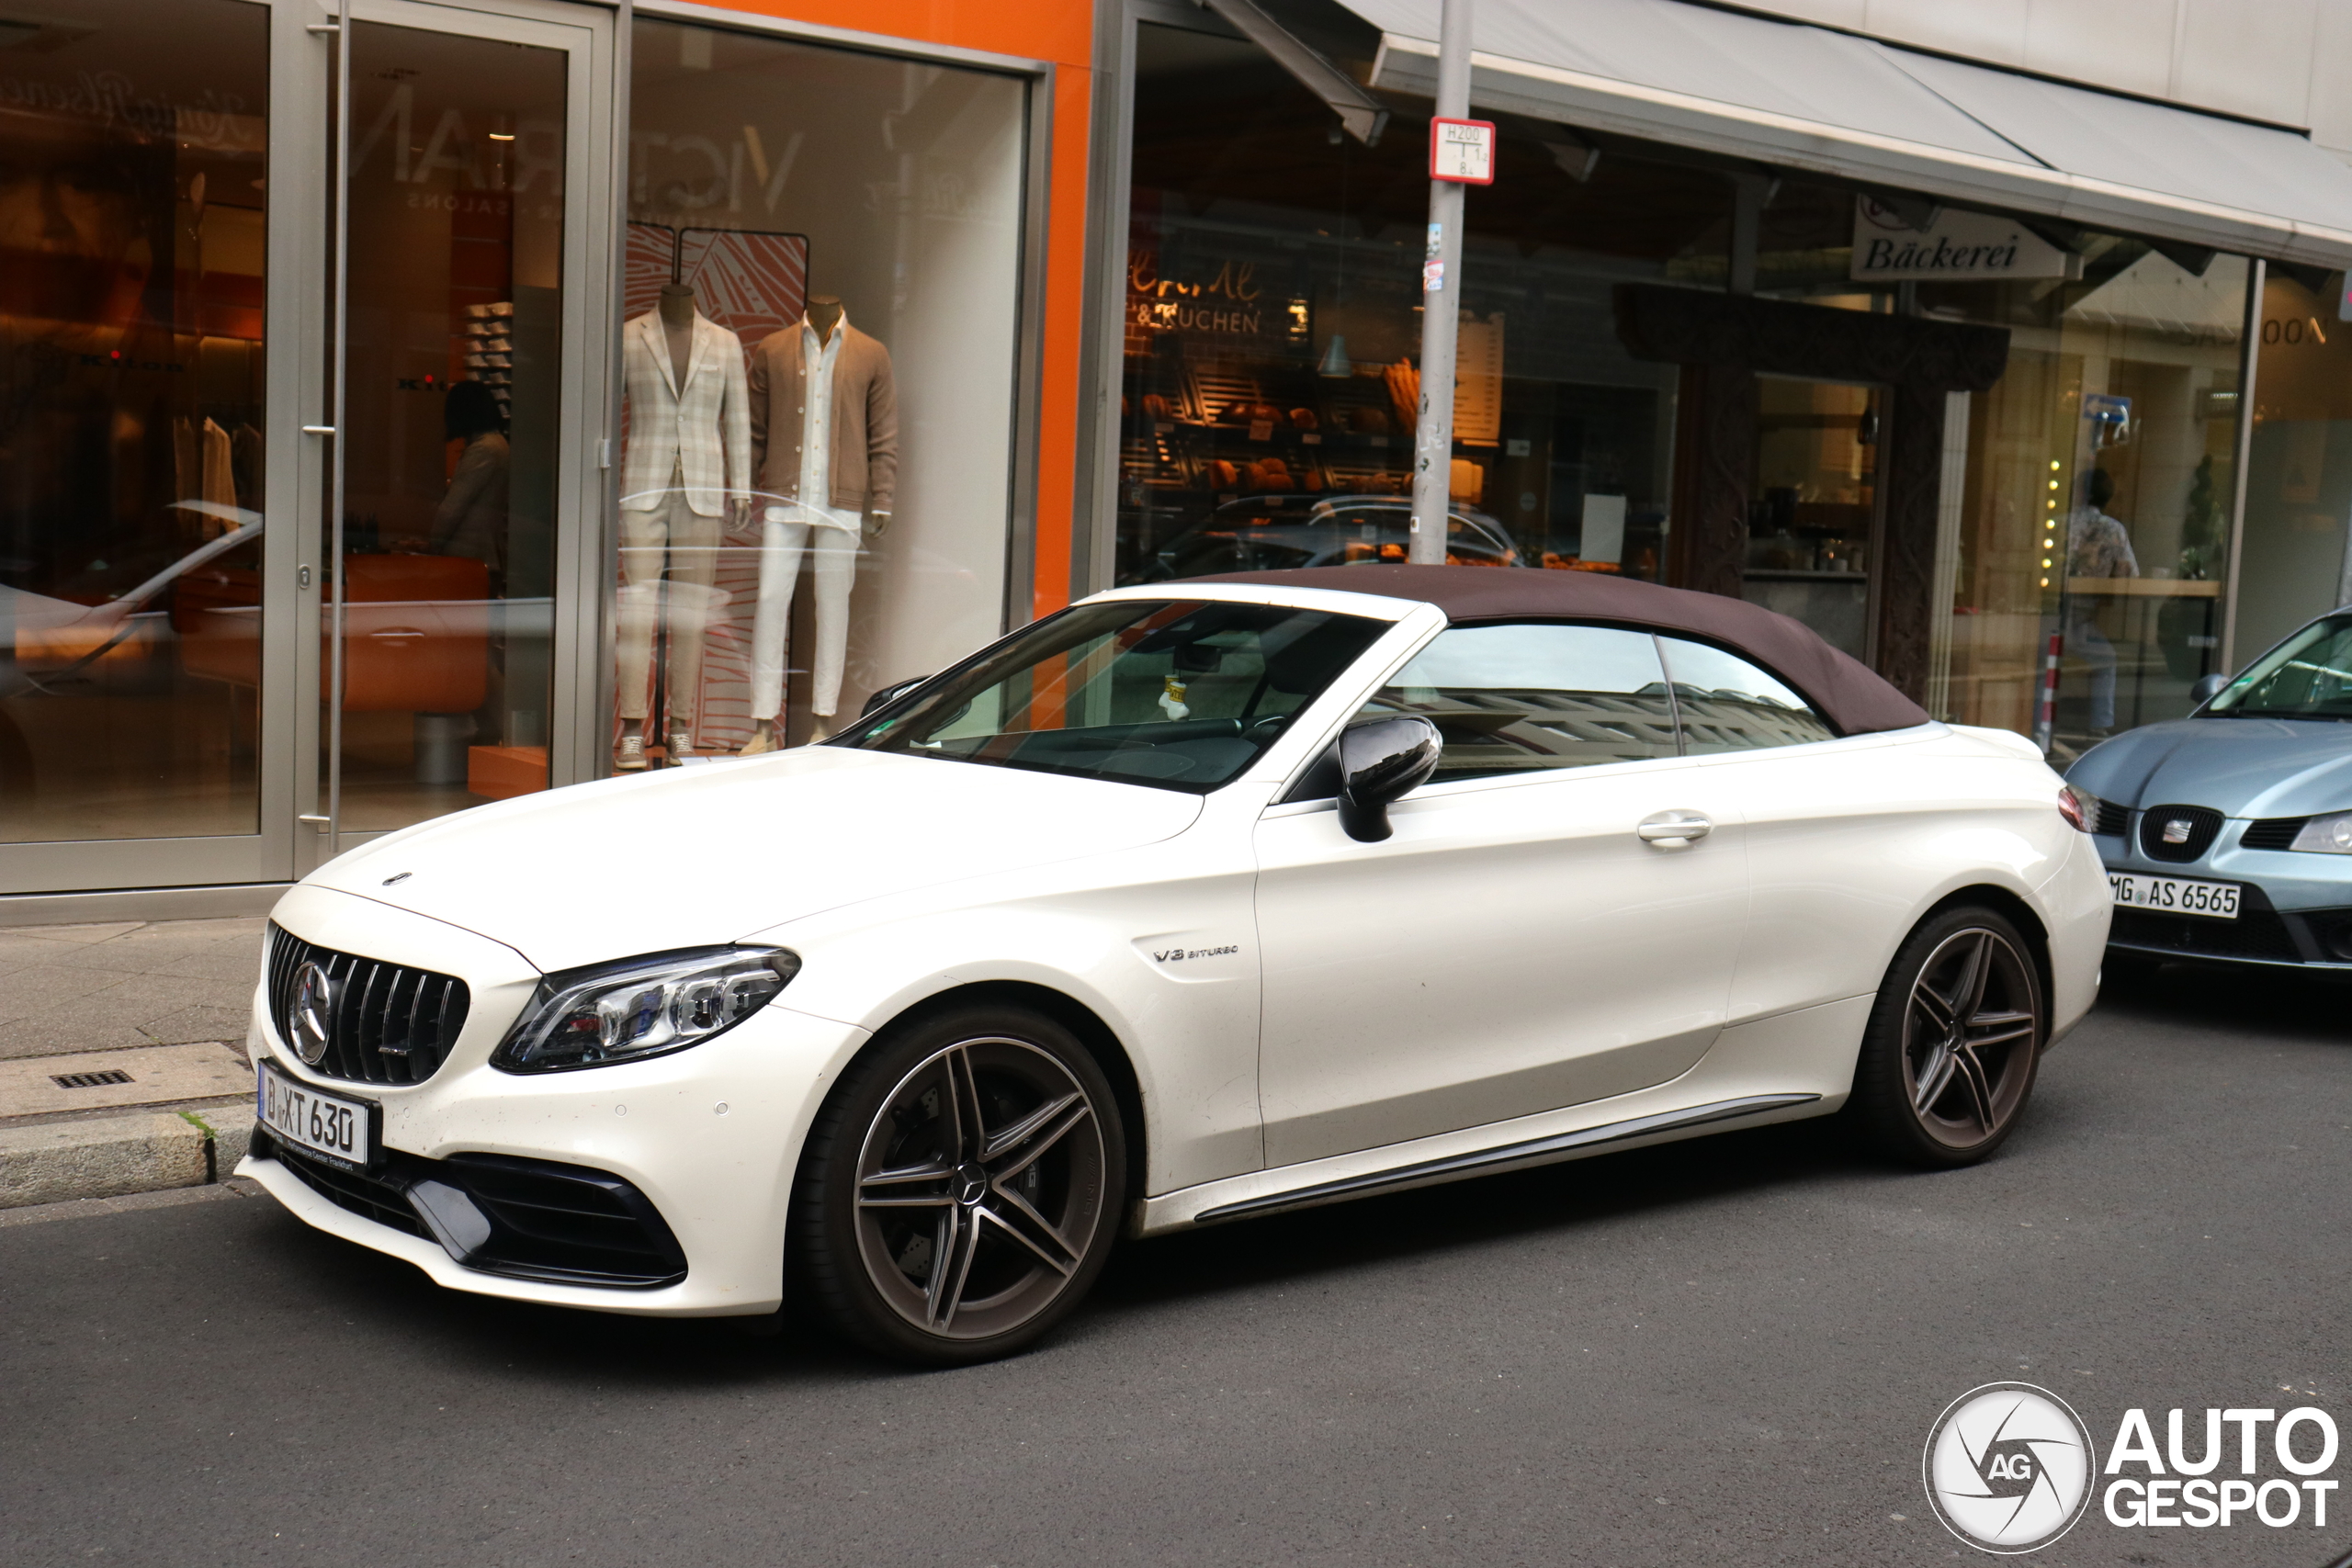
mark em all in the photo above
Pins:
pixel 122 1065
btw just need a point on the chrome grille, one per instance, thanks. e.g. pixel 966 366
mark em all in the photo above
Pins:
pixel 392 1024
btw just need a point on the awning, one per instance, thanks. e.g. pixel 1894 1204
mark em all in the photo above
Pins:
pixel 1826 102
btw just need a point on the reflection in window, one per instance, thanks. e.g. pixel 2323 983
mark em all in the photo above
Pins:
pixel 1526 697
pixel 1728 704
pixel 1271 329
pixel 1278 533
pixel 131 294
pixel 454 383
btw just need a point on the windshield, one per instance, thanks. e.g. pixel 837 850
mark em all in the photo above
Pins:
pixel 1177 694
pixel 2308 676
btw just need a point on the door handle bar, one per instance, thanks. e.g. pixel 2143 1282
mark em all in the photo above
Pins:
pixel 1674 829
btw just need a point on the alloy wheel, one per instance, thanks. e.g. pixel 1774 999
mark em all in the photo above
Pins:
pixel 1969 1034
pixel 981 1187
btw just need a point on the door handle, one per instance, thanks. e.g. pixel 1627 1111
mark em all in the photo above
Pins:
pixel 1674 830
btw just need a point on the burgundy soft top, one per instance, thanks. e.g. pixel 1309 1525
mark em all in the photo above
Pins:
pixel 1848 692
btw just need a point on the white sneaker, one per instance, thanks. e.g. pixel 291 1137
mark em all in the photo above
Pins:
pixel 762 742
pixel 628 757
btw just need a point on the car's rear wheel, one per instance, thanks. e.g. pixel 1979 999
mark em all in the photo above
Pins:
pixel 1955 1042
pixel 961 1189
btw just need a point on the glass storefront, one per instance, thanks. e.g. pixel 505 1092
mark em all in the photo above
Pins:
pixel 133 188
pixel 2298 550
pixel 1271 321
pixel 362 462
pixel 2071 493
pixel 819 327
pixel 2097 480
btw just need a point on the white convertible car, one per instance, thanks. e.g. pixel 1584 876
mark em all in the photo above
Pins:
pixel 1189 903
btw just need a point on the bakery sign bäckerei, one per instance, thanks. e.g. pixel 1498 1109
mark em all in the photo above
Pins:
pixel 1957 247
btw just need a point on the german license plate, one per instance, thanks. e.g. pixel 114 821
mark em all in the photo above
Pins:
pixel 2175 895
pixel 341 1130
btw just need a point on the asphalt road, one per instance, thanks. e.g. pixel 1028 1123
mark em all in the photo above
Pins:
pixel 1725 1351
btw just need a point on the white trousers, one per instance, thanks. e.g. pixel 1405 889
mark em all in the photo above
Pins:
pixel 676 538
pixel 781 547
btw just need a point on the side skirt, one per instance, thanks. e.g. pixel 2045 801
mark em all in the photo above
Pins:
pixel 1485 1161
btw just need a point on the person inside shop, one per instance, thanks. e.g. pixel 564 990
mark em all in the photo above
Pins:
pixel 471 518
pixel 2096 546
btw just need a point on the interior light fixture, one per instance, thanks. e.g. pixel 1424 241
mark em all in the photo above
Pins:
pixel 1336 365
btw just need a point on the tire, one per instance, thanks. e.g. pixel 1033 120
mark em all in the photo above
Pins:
pixel 1955 1042
pixel 961 1187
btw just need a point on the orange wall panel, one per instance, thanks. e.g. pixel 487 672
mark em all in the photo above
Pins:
pixel 1058 30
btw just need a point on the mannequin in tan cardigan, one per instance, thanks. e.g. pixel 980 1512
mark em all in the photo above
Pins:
pixel 825 454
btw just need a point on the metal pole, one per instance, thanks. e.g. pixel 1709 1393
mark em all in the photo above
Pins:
pixel 339 323
pixel 598 727
pixel 1441 287
pixel 2249 361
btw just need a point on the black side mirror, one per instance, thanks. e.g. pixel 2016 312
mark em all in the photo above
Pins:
pixel 1380 764
pixel 2206 688
pixel 887 696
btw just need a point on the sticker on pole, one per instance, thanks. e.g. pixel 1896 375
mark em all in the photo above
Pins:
pixel 1463 151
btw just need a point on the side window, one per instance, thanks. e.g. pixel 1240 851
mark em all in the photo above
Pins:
pixel 1729 704
pixel 1521 697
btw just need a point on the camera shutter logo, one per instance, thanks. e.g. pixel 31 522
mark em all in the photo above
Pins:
pixel 311 1020
pixel 2008 1468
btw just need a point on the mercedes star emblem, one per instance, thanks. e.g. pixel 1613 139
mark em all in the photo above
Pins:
pixel 311 1020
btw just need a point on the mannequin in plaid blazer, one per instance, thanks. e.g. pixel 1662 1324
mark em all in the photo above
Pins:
pixel 688 467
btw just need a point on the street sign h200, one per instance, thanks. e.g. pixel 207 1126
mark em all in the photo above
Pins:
pixel 1461 151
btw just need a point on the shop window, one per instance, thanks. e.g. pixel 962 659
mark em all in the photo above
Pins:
pixel 2299 474
pixel 1537 696
pixel 132 221
pixel 1272 332
pixel 2087 493
pixel 819 316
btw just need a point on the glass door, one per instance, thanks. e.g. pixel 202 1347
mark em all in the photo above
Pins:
pixel 461 380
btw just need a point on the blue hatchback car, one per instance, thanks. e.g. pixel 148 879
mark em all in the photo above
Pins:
pixel 2228 834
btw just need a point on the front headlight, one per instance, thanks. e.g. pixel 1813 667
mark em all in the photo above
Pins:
pixel 2328 835
pixel 641 1007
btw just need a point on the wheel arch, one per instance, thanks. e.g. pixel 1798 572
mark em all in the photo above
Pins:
pixel 1102 1043
pixel 2019 913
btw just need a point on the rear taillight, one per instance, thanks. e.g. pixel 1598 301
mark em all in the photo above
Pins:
pixel 2079 807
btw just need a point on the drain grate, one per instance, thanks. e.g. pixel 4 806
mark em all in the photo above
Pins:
pixel 89 1080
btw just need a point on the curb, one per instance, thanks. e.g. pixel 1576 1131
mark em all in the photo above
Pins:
pixel 111 1156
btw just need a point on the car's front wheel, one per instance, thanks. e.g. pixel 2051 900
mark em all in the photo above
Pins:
pixel 961 1187
pixel 1955 1042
